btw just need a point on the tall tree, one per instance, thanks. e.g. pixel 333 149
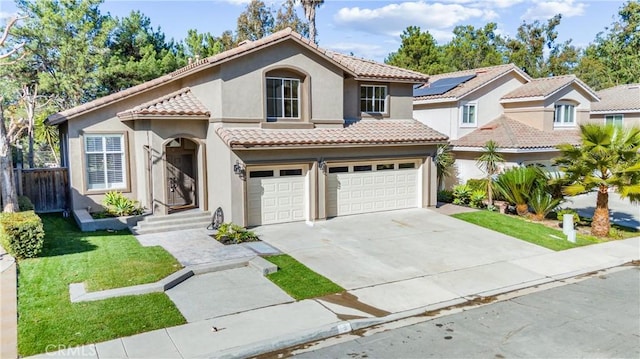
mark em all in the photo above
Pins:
pixel 255 22
pixel 489 161
pixel 613 58
pixel 527 49
pixel 201 45
pixel 418 51
pixel 444 161
pixel 8 192
pixel 607 159
pixel 310 7
pixel 471 48
pixel 288 17
pixel 68 41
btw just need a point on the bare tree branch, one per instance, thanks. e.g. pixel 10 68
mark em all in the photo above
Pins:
pixel 4 38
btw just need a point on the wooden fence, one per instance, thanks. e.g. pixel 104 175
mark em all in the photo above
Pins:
pixel 47 188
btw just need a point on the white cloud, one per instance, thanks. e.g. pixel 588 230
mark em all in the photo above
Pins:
pixel 5 15
pixel 367 51
pixel 238 2
pixel 543 10
pixel 392 19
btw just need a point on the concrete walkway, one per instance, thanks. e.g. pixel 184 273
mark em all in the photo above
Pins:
pixel 278 326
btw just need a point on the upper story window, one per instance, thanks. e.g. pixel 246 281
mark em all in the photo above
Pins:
pixel 373 98
pixel 105 161
pixel 283 98
pixel 565 115
pixel 469 115
pixel 615 120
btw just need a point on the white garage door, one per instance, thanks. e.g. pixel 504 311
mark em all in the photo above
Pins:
pixel 276 195
pixel 371 187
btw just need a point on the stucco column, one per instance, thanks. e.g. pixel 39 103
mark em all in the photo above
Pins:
pixel 429 183
pixel 322 192
pixel 313 191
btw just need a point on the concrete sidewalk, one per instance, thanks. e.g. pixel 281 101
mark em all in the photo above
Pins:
pixel 280 326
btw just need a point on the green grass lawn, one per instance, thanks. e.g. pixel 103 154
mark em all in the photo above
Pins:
pixel 527 231
pixel 102 261
pixel 299 281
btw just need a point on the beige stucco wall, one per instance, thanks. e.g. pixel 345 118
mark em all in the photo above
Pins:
pixel 400 99
pixel 629 120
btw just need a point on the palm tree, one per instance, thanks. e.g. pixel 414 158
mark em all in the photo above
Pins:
pixel 443 160
pixel 607 159
pixel 516 184
pixel 489 162
pixel 309 7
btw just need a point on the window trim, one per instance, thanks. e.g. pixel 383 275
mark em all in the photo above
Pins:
pixel 125 164
pixel 385 102
pixel 464 105
pixel 613 116
pixel 266 97
pixel 562 122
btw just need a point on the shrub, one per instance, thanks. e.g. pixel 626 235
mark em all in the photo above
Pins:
pixel 560 214
pixel 477 184
pixel 21 234
pixel 119 205
pixel 516 184
pixel 461 194
pixel 231 233
pixel 25 204
pixel 445 196
pixel 477 198
pixel 542 202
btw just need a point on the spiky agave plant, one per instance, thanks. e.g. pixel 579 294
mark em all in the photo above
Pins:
pixel 516 185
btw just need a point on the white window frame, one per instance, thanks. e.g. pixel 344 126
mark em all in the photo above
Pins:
pixel 373 100
pixel 105 153
pixel 464 121
pixel 559 115
pixel 281 97
pixel 611 119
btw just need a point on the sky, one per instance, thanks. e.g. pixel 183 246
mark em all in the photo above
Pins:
pixel 371 29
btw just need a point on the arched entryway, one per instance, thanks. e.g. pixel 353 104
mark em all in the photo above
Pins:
pixel 181 171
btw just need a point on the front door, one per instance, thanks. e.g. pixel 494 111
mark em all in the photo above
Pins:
pixel 181 176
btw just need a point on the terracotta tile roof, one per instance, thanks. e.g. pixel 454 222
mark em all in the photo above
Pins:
pixel 483 76
pixel 364 132
pixel 355 67
pixel 513 134
pixel 623 98
pixel 179 103
pixel 543 87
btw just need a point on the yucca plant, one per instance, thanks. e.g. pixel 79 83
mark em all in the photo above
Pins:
pixel 516 184
pixel 461 194
pixel 542 203
pixel 477 198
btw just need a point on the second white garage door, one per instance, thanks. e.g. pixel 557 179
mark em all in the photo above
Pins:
pixel 371 187
pixel 276 195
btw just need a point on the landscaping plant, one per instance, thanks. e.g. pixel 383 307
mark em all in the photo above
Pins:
pixel 444 161
pixel 477 198
pixel 516 185
pixel 489 162
pixel 461 194
pixel 231 233
pixel 542 203
pixel 117 204
pixel 21 234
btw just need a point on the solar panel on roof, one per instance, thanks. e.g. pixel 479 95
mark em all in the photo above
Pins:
pixel 441 86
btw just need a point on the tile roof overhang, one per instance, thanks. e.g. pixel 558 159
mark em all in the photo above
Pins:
pixel 180 104
pixel 484 77
pixel 512 136
pixel 361 133
pixel 357 68
pixel 543 88
pixel 618 99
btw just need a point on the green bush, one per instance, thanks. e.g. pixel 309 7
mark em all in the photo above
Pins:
pixel 119 205
pixel 560 214
pixel 477 184
pixel 21 234
pixel 461 194
pixel 231 233
pixel 445 196
pixel 542 202
pixel 477 198
pixel 25 204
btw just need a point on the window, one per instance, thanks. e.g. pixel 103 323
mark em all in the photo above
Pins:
pixel 407 165
pixel 295 172
pixel 362 168
pixel 105 161
pixel 340 169
pixel 373 99
pixel 383 167
pixel 469 114
pixel 615 120
pixel 283 98
pixel 564 115
pixel 260 174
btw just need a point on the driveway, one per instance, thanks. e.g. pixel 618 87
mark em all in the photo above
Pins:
pixel 367 250
pixel 622 211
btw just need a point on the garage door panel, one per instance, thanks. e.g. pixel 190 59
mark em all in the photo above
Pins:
pixel 275 199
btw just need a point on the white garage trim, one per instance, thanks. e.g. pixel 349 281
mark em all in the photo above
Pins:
pixel 277 194
pixel 362 187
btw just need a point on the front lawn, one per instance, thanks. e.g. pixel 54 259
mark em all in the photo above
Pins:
pixel 520 228
pixel 101 260
pixel 299 281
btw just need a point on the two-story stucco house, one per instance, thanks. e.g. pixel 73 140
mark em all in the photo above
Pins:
pixel 526 117
pixel 274 130
pixel 619 105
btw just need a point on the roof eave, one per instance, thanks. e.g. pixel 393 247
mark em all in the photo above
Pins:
pixel 391 79
pixel 141 116
pixel 338 145
pixel 616 111
pixel 507 149
pixel 523 99
pixel 435 100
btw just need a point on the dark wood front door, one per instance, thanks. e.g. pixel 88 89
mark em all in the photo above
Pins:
pixel 181 178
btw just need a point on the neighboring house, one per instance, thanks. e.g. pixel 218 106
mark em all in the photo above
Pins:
pixel 619 105
pixel 526 117
pixel 274 130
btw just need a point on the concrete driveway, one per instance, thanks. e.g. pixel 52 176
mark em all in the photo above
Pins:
pixel 622 211
pixel 367 250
